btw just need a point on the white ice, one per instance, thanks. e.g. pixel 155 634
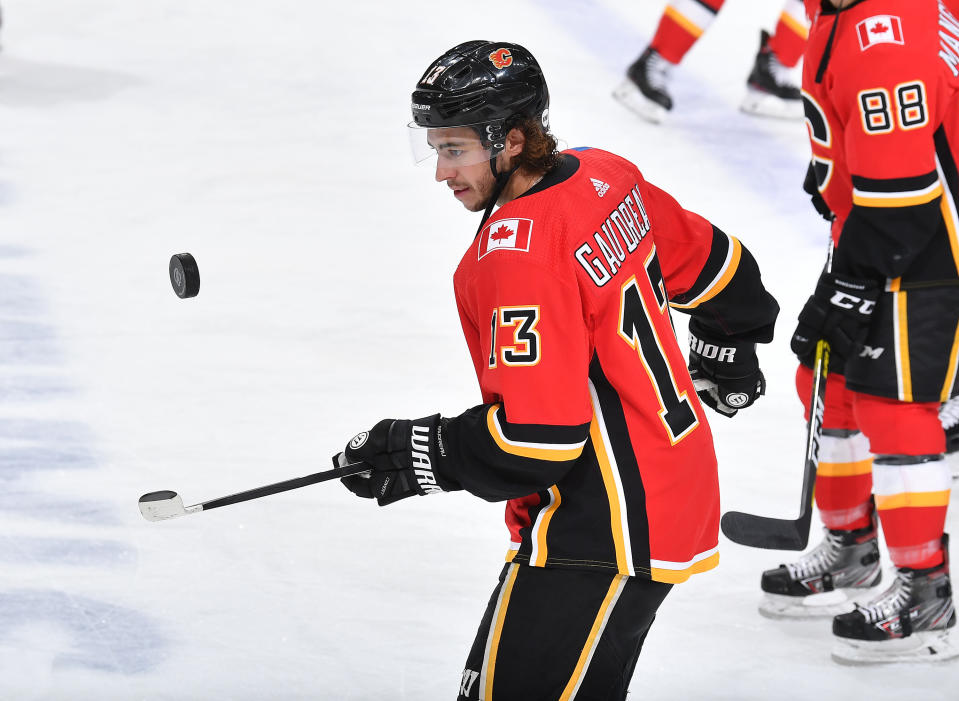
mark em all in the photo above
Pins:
pixel 268 140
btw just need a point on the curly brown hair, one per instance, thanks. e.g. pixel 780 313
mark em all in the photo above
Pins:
pixel 539 154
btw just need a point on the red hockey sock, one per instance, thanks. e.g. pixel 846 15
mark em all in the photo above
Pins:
pixel 682 23
pixel 911 481
pixel 912 501
pixel 844 477
pixel 844 482
pixel 789 38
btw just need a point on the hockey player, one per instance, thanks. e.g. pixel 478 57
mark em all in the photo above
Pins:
pixel 881 82
pixel 770 90
pixel 590 428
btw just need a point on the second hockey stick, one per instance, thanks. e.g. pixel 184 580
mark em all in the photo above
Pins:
pixel 163 505
pixel 789 534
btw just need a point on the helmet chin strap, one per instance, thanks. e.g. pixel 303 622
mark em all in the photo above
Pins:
pixel 500 180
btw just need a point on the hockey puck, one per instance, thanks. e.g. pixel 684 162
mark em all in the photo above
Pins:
pixel 184 275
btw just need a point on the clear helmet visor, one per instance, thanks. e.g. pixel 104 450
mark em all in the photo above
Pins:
pixel 451 146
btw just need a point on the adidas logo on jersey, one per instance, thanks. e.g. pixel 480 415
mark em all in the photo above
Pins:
pixel 601 187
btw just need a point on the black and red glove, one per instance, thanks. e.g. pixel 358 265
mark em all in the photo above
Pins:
pixel 406 458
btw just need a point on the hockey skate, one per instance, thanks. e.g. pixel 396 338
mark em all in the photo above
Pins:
pixel 826 580
pixel 644 89
pixel 949 416
pixel 909 622
pixel 770 91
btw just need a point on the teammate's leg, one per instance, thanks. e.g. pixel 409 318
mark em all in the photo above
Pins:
pixel 646 88
pixel 771 88
pixel 555 634
pixel 788 40
pixel 910 478
pixel 898 388
pixel 846 562
pixel 911 483
pixel 681 25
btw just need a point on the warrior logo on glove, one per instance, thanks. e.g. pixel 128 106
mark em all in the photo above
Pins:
pixel 737 399
pixel 725 371
pixel 359 439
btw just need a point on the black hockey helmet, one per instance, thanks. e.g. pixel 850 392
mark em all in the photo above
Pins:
pixel 483 85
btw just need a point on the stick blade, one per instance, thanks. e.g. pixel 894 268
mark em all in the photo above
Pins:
pixel 763 532
pixel 160 506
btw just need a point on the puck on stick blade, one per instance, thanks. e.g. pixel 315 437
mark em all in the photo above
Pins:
pixel 184 275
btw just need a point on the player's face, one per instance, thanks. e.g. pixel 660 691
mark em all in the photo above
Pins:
pixel 462 163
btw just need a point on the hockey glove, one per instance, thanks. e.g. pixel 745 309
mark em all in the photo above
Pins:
pixel 725 373
pixel 403 457
pixel 838 312
pixel 811 186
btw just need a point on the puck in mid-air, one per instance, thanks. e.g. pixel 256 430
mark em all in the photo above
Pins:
pixel 184 275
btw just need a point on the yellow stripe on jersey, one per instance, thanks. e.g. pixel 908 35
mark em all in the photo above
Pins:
pixel 683 21
pixel 592 640
pixel 901 330
pixel 721 280
pixel 496 632
pixel 537 451
pixel 951 369
pixel 950 216
pixel 612 496
pixel 912 499
pixel 540 552
pixel 844 469
pixel 675 576
pixel 896 199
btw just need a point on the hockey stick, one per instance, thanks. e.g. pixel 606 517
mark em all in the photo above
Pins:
pixel 163 505
pixel 779 533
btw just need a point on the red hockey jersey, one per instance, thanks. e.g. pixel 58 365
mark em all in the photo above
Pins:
pixel 883 119
pixel 590 425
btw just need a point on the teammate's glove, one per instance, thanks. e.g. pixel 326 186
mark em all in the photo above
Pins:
pixel 839 312
pixel 404 457
pixel 725 373
pixel 811 186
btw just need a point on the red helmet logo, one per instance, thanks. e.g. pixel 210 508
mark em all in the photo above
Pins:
pixel 501 58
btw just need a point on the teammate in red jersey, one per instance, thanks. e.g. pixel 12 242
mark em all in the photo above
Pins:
pixel 771 90
pixel 881 90
pixel 590 428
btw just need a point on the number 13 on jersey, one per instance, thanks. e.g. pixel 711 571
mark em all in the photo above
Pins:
pixel 523 345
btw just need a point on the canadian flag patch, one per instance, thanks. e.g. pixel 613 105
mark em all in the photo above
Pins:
pixel 511 234
pixel 880 29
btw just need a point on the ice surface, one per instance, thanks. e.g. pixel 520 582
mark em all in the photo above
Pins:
pixel 268 140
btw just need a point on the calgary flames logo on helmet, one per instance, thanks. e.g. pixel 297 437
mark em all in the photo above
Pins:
pixel 501 58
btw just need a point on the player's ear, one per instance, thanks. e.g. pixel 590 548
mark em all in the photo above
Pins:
pixel 515 141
